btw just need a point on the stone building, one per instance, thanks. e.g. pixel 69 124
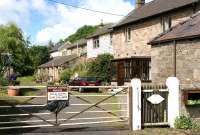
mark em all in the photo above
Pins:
pixel 55 66
pixel 132 34
pixel 64 56
pixel 54 52
pixel 79 48
pixel 177 53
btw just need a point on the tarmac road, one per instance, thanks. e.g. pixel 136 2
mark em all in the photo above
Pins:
pixel 93 129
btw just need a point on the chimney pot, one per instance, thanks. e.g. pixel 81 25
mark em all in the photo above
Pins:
pixel 140 3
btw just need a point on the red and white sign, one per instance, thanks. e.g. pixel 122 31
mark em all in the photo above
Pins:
pixel 57 93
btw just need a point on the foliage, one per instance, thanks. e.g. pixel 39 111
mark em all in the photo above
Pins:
pixel 81 69
pixel 3 81
pixel 193 102
pixel 12 41
pixel 38 55
pixel 42 76
pixel 50 45
pixel 184 122
pixel 14 82
pixel 81 33
pixel 101 67
pixel 66 75
pixel 60 42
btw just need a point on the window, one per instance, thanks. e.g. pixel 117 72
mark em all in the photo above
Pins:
pixel 165 23
pixel 137 68
pixel 128 34
pixel 111 39
pixel 96 42
pixel 127 70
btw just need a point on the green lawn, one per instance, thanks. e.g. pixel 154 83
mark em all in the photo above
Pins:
pixel 29 81
pixel 25 81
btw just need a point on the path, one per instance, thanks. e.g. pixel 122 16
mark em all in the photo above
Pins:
pixel 94 129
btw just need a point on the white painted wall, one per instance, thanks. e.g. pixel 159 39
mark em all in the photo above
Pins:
pixel 174 100
pixel 104 46
pixel 136 104
pixel 55 54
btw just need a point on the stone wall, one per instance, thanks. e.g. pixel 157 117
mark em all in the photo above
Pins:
pixel 187 62
pixel 142 33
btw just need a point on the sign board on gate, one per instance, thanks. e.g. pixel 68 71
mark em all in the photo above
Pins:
pixel 55 93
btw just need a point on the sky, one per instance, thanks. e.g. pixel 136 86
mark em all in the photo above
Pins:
pixel 44 20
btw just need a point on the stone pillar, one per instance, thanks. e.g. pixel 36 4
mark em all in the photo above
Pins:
pixel 173 100
pixel 136 104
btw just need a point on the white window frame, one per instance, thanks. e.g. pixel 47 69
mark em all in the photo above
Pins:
pixel 128 34
pixel 96 42
pixel 166 23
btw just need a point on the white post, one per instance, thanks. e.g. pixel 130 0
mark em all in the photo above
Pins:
pixel 136 104
pixel 173 100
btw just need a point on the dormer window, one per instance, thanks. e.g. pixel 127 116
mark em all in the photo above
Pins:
pixel 128 34
pixel 166 23
pixel 96 42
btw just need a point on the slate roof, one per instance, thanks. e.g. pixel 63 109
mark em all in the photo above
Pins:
pixel 107 28
pixel 81 42
pixel 55 48
pixel 153 8
pixel 186 30
pixel 59 61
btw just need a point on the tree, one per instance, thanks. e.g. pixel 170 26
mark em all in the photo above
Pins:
pixel 12 41
pixel 38 55
pixel 50 45
pixel 81 33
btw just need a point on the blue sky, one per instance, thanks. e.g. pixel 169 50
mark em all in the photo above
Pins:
pixel 43 20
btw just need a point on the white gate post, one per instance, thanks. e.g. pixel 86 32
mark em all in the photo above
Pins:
pixel 173 100
pixel 136 104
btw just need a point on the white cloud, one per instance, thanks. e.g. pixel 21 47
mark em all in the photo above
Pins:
pixel 147 1
pixel 65 20
pixel 59 20
pixel 14 11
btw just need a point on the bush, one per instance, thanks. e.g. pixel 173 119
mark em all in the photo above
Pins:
pixel 14 82
pixel 81 69
pixel 42 76
pixel 3 81
pixel 101 67
pixel 184 122
pixel 66 75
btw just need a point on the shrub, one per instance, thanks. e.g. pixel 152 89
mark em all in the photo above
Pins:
pixel 3 81
pixel 184 122
pixel 66 75
pixel 101 67
pixel 14 82
pixel 81 69
pixel 42 76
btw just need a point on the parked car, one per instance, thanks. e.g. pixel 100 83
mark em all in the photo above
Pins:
pixel 85 81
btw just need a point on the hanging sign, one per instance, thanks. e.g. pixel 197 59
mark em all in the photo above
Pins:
pixel 57 93
pixel 155 99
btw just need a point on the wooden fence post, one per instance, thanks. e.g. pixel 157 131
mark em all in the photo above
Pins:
pixel 136 104
pixel 173 100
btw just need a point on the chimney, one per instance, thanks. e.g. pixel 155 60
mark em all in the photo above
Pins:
pixel 139 3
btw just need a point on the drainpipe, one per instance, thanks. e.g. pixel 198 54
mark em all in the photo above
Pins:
pixel 175 68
